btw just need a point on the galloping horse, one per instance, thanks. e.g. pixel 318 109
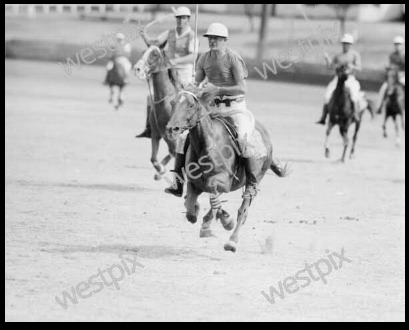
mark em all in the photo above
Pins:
pixel 118 76
pixel 216 163
pixel 155 66
pixel 341 112
pixel 395 102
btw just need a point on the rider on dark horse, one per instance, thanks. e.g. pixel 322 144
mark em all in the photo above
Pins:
pixel 227 74
pixel 396 61
pixel 122 56
pixel 180 50
pixel 352 60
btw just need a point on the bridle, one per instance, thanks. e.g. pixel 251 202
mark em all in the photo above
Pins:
pixel 190 123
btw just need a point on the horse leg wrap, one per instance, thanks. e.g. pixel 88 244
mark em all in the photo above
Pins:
pixel 215 203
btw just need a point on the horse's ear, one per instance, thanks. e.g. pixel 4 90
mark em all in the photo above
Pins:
pixel 163 45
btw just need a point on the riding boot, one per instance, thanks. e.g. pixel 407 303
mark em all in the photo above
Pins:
pixel 325 112
pixel 148 132
pixel 179 179
pixel 251 167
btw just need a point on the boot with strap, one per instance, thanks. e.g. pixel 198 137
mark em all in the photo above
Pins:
pixel 251 166
pixel 177 189
pixel 325 112
pixel 148 132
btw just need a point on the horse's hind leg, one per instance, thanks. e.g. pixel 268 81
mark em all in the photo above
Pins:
pixel 242 217
pixel 327 140
pixel 357 128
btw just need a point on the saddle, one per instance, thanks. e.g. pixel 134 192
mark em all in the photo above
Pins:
pixel 228 124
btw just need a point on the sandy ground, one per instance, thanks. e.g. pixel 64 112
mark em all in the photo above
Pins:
pixel 79 192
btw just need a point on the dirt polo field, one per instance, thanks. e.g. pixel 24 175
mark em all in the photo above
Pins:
pixel 80 200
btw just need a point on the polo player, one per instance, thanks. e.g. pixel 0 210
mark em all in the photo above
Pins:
pixel 121 55
pixel 352 60
pixel 180 50
pixel 226 73
pixel 397 61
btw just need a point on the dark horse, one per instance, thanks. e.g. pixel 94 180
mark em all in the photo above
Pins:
pixel 155 66
pixel 341 113
pixel 395 102
pixel 118 76
pixel 213 164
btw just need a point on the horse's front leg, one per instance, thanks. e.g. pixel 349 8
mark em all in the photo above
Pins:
pixel 327 140
pixel 398 140
pixel 192 205
pixel 357 129
pixel 120 98
pixel 160 169
pixel 242 217
pixel 345 137
pixel 384 127
pixel 111 94
pixel 216 211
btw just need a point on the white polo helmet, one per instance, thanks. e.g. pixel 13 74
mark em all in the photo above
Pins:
pixel 183 11
pixel 217 30
pixel 399 41
pixel 348 39
pixel 120 36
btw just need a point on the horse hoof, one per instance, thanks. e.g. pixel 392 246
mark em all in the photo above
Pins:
pixel 231 247
pixel 327 153
pixel 352 157
pixel 161 169
pixel 191 218
pixel 206 233
pixel 158 177
pixel 229 226
pixel 227 222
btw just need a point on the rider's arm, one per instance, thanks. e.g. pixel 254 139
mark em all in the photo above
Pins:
pixel 160 40
pixel 357 65
pixel 328 61
pixel 240 88
pixel 333 64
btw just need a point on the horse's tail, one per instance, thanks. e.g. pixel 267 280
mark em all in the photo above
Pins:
pixel 279 170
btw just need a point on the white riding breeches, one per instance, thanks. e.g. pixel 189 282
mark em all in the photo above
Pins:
pixel 243 119
pixel 355 89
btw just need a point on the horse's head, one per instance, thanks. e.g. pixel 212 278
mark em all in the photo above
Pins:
pixel 343 72
pixel 153 60
pixel 189 108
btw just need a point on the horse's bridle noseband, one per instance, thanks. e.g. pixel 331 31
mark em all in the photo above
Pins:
pixel 189 126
